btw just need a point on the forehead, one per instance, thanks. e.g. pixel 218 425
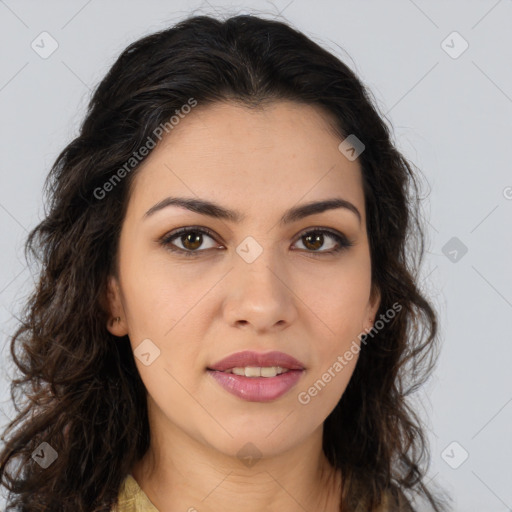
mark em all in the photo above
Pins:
pixel 280 154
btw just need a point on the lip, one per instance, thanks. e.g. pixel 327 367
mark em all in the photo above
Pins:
pixel 257 389
pixel 250 358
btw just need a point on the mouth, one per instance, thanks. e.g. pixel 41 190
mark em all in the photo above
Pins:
pixel 256 377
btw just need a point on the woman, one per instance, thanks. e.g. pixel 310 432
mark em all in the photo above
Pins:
pixel 228 313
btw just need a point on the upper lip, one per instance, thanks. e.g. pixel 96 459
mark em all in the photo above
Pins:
pixel 257 359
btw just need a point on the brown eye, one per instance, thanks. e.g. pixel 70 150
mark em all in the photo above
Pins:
pixel 189 241
pixel 192 240
pixel 314 240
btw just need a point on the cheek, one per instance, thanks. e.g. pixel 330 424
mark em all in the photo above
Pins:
pixel 339 306
pixel 325 385
pixel 340 297
pixel 160 293
pixel 161 305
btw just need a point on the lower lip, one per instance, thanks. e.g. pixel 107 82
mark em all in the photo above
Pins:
pixel 257 389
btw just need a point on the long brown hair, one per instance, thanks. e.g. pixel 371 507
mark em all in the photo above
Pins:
pixel 78 387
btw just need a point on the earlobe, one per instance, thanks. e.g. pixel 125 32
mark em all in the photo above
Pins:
pixel 116 323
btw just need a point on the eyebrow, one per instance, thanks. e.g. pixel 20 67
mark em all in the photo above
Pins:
pixel 214 210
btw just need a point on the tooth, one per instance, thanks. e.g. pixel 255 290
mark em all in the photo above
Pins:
pixel 269 372
pixel 252 371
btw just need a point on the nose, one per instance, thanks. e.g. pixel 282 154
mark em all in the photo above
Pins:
pixel 260 295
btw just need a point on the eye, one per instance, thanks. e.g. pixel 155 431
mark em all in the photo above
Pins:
pixel 190 241
pixel 313 240
pixel 190 238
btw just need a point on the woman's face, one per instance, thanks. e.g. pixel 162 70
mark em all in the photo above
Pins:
pixel 259 279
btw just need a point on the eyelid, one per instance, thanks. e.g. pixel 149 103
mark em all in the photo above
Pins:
pixel 314 229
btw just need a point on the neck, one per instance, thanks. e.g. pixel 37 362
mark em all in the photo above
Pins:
pixel 180 473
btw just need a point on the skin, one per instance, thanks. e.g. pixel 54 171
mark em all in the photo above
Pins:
pixel 197 310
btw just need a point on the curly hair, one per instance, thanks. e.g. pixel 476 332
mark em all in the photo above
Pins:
pixel 78 387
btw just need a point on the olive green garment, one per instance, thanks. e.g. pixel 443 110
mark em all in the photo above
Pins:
pixel 132 498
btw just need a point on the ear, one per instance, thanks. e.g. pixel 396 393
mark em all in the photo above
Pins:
pixel 371 309
pixel 116 323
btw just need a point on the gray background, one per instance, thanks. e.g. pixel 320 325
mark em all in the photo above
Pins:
pixel 451 117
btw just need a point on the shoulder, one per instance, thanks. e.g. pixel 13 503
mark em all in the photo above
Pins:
pixel 131 498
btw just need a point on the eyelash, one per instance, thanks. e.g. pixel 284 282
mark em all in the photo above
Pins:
pixel 342 241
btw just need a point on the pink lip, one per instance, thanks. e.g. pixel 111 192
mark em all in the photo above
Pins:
pixel 249 358
pixel 257 389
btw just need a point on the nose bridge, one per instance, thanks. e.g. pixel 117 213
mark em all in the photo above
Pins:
pixel 257 266
pixel 258 294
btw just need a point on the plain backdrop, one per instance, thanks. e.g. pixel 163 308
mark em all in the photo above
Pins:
pixel 439 71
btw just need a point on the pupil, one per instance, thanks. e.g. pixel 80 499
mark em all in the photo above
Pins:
pixel 317 241
pixel 191 240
